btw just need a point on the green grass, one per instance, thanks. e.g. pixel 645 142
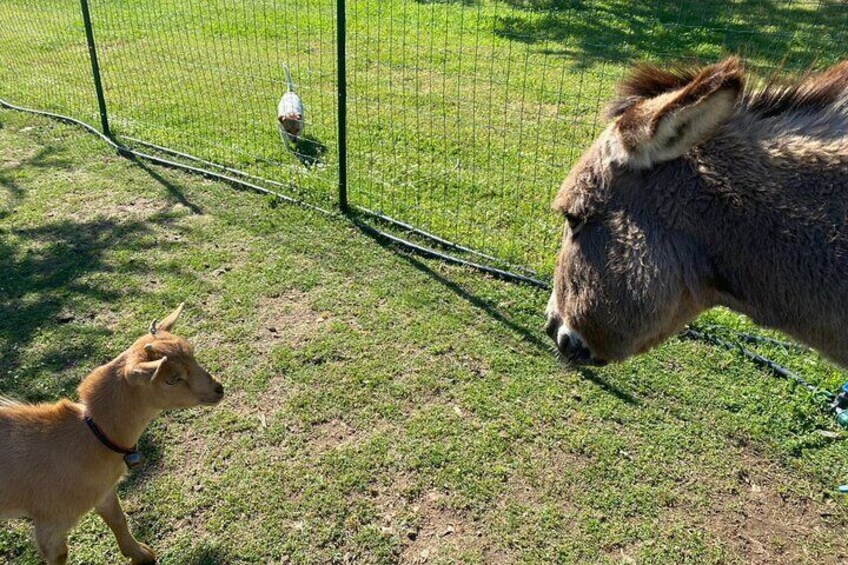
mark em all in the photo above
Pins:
pixel 375 397
pixel 464 115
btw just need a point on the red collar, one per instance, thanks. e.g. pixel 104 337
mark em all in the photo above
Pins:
pixel 132 457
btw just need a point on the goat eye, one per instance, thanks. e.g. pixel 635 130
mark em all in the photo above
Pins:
pixel 172 380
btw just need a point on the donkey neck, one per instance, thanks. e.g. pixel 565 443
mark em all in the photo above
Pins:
pixel 768 205
pixel 773 225
pixel 119 409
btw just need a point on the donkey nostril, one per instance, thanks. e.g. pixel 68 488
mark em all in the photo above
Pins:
pixel 564 342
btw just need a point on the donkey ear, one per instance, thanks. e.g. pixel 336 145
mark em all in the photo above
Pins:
pixel 168 323
pixel 145 372
pixel 668 125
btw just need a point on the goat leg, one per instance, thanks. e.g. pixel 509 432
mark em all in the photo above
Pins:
pixel 110 510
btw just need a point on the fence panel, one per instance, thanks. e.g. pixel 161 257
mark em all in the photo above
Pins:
pixel 466 115
pixel 204 78
pixel 44 62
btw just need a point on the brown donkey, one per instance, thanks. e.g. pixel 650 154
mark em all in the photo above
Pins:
pixel 61 460
pixel 702 193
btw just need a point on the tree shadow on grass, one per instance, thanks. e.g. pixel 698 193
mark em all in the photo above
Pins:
pixel 767 31
pixel 44 271
pixel 42 276
pixel 47 157
pixel 534 337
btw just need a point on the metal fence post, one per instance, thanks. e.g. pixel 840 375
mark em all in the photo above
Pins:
pixel 341 31
pixel 95 68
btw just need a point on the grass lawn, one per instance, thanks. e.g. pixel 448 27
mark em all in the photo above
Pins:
pixel 384 408
pixel 464 114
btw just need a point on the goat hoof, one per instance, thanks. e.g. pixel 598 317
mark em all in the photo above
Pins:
pixel 146 556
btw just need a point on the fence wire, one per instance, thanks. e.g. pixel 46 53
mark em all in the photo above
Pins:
pixel 486 105
pixel 44 61
pixel 463 116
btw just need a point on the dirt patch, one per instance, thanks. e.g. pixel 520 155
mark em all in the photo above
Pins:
pixel 10 163
pixel 520 490
pixel 624 554
pixel 101 318
pixel 288 319
pixel 441 533
pixel 331 435
pixel 544 472
pixel 761 518
pixel 14 158
pixel 763 524
pixel 105 318
pixel 194 454
pixel 78 206
pixel 139 208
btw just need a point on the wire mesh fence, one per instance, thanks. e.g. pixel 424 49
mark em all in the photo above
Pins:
pixel 44 61
pixel 463 116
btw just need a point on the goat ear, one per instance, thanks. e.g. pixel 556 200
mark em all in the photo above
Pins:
pixel 666 126
pixel 145 372
pixel 162 347
pixel 168 323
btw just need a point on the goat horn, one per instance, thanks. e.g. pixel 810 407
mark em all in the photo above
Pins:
pixel 153 329
pixel 154 366
pixel 168 323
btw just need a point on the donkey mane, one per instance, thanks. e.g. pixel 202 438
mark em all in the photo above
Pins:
pixel 806 92
pixel 648 81
pixel 810 92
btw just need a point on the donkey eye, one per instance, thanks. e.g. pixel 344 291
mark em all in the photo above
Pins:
pixel 575 223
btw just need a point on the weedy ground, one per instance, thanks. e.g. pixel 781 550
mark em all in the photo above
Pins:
pixel 384 408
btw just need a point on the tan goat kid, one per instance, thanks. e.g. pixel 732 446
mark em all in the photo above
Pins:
pixel 57 462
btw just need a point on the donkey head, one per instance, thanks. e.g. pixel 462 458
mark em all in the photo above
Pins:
pixel 627 274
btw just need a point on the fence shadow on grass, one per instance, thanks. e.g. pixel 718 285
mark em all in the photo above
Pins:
pixel 534 336
pixel 619 31
pixel 175 192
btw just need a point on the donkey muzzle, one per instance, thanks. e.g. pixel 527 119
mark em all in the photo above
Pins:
pixel 570 345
